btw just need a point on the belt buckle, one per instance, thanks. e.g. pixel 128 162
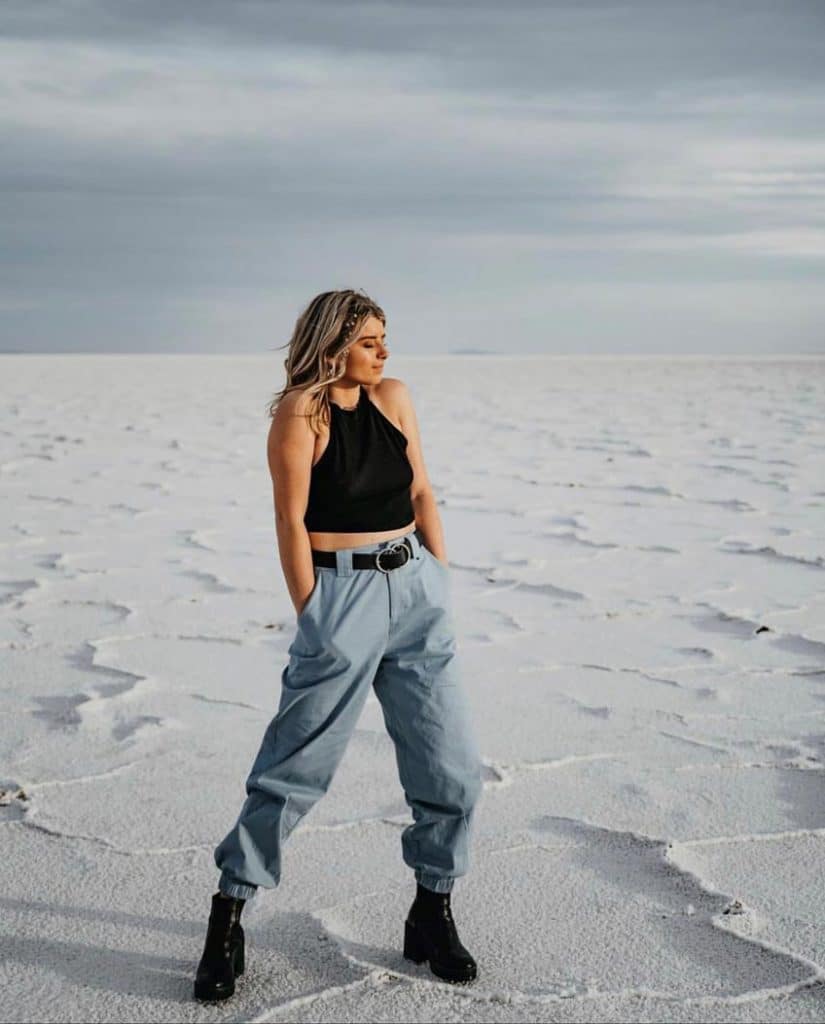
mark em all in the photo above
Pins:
pixel 395 547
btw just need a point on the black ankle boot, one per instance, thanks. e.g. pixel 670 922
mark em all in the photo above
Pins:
pixel 223 954
pixel 430 934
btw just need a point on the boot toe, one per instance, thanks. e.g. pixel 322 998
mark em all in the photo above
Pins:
pixel 436 941
pixel 210 989
pixel 456 971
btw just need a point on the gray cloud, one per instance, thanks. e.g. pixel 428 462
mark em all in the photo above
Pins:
pixel 188 175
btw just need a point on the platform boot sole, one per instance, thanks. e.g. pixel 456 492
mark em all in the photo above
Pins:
pixel 207 994
pixel 415 949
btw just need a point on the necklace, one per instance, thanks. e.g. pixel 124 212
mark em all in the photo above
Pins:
pixel 346 408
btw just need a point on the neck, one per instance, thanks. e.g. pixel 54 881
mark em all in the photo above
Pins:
pixel 346 397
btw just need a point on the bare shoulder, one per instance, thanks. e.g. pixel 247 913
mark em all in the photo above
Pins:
pixel 293 403
pixel 291 414
pixel 392 392
pixel 290 434
pixel 389 385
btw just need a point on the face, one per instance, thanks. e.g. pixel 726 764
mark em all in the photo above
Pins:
pixel 368 353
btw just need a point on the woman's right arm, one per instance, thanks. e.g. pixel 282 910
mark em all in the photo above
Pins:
pixel 290 447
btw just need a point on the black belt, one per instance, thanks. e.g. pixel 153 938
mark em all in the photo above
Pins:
pixel 386 559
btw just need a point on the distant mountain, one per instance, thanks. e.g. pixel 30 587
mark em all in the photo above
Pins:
pixel 473 352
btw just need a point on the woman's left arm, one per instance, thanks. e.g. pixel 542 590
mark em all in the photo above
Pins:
pixel 427 519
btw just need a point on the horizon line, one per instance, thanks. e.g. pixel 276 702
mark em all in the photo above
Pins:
pixel 448 355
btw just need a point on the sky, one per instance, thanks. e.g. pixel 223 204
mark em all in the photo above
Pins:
pixel 520 177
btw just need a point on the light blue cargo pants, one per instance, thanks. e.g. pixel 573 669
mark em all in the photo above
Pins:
pixel 361 628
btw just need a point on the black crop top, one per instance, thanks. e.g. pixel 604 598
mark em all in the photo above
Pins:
pixel 362 481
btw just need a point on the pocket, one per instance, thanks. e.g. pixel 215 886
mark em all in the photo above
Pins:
pixel 312 600
pixel 436 561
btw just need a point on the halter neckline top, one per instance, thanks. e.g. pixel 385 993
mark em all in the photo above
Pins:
pixel 362 481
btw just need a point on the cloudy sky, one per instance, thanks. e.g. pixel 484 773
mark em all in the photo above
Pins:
pixel 511 176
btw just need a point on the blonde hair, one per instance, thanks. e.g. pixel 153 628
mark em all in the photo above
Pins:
pixel 323 332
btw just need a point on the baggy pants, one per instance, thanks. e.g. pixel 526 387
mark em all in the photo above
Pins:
pixel 360 628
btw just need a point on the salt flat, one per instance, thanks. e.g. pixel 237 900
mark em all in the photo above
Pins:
pixel 637 550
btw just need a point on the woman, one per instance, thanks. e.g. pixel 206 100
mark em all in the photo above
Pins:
pixel 360 542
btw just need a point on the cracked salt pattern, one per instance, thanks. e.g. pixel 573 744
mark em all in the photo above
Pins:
pixel 637 553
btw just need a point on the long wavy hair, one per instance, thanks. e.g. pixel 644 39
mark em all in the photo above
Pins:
pixel 323 332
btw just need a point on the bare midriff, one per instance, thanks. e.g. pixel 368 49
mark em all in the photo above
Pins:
pixel 335 541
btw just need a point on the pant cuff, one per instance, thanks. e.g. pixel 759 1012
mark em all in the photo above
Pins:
pixel 237 890
pixel 434 882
